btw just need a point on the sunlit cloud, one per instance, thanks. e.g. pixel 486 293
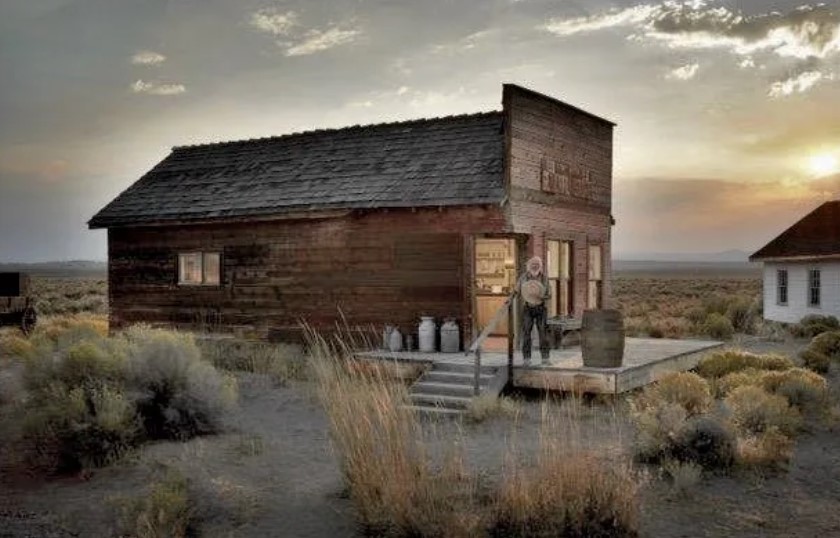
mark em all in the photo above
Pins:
pixel 148 57
pixel 808 31
pixel 463 44
pixel 402 90
pixel 798 84
pixel 746 63
pixel 156 88
pixel 273 21
pixel 320 40
pixel 685 72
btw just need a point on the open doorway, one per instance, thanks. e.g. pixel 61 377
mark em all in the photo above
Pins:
pixel 496 262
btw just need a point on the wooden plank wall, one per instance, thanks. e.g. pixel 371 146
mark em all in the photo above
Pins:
pixel 560 180
pixel 377 267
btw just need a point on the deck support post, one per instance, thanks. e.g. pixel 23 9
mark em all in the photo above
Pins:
pixel 511 333
pixel 477 379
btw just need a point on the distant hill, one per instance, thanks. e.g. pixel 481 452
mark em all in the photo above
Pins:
pixel 726 256
pixel 686 269
pixel 73 268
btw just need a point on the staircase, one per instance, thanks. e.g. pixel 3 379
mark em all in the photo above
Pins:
pixel 448 388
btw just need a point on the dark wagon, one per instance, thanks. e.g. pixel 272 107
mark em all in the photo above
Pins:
pixel 17 307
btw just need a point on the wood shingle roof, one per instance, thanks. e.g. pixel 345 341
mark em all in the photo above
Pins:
pixel 816 235
pixel 455 160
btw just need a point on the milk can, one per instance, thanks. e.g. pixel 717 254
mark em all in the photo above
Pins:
pixel 450 338
pixel 426 334
pixel 386 337
pixel 395 340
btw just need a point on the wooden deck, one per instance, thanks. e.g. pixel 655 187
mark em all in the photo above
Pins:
pixel 645 361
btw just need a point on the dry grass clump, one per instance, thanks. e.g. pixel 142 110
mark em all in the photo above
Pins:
pixel 281 362
pixel 89 398
pixel 486 406
pixel 769 449
pixel 722 363
pixel 166 510
pixel 567 494
pixel 815 360
pixel 684 476
pixel 394 486
pixel 718 326
pixel 755 411
pixel 827 343
pixel 813 325
pixel 803 389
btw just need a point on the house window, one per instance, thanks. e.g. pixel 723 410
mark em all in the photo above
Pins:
pixel 560 278
pixel 595 288
pixel 199 268
pixel 814 287
pixel 782 286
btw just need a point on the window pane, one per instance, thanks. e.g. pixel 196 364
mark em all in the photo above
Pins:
pixel 595 262
pixel 552 304
pixel 594 292
pixel 566 259
pixel 189 268
pixel 553 259
pixel 211 268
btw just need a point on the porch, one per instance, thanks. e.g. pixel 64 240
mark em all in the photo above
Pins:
pixel 645 361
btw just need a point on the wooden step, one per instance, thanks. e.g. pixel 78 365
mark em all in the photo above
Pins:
pixel 456 378
pixel 465 368
pixel 434 411
pixel 440 400
pixel 445 389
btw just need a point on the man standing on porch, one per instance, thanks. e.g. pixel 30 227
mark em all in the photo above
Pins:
pixel 532 286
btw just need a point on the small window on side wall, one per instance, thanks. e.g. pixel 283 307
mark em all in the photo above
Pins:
pixel 814 287
pixel 781 287
pixel 199 268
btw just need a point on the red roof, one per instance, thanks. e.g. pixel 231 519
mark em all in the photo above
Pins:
pixel 815 235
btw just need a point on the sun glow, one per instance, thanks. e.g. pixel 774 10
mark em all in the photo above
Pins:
pixel 824 164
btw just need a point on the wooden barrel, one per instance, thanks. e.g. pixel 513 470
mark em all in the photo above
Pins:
pixel 602 338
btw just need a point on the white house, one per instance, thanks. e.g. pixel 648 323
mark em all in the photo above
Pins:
pixel 802 267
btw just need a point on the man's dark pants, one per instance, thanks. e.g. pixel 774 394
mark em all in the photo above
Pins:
pixel 534 315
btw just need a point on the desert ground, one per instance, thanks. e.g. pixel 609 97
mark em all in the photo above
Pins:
pixel 271 470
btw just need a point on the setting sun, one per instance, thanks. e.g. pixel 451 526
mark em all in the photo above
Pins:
pixel 824 164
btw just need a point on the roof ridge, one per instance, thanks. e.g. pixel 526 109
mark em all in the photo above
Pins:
pixel 356 127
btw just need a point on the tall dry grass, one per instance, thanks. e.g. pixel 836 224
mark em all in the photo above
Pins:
pixel 400 488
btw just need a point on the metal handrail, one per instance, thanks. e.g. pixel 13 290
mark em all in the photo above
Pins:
pixel 475 347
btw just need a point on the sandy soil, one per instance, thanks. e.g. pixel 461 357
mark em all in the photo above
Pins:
pixel 273 474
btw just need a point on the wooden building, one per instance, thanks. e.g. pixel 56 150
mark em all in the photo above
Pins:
pixel 384 222
pixel 802 267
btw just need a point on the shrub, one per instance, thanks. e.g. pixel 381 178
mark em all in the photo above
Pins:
pixel 281 362
pixel 802 388
pixel 815 360
pixel 165 511
pixel 686 389
pixel 177 394
pixel 655 428
pixel 716 304
pixel 719 364
pixel 729 382
pixel 827 343
pixel 567 495
pixel 755 411
pixel 68 429
pixel 740 314
pixel 718 326
pixel 704 440
pixel 814 324
pixel 696 315
pixel 767 449
pixel 13 345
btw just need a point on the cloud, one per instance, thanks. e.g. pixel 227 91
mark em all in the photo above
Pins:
pixel 148 57
pixel 273 21
pixel 808 31
pixel 686 72
pixel 319 40
pixel 798 84
pixel 156 88
pixel 402 90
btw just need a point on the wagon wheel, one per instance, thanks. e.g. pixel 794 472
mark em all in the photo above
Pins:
pixel 28 320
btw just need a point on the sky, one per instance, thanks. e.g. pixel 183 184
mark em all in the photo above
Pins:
pixel 728 112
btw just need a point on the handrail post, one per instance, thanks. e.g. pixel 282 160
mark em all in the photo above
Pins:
pixel 477 380
pixel 511 333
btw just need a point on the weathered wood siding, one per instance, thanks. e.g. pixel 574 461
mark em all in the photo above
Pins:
pixel 797 306
pixel 560 180
pixel 377 267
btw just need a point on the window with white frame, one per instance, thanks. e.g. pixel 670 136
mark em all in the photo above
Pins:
pixel 782 287
pixel 814 287
pixel 199 268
